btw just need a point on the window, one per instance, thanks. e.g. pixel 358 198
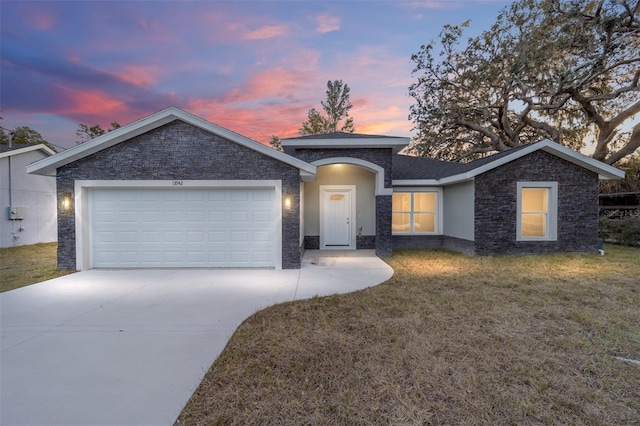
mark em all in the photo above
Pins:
pixel 537 211
pixel 415 213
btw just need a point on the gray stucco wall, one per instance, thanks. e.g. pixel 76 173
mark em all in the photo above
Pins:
pixel 343 174
pixel 458 210
pixel 179 151
pixel 36 194
pixel 496 208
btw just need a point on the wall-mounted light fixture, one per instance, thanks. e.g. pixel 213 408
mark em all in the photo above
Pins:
pixel 65 204
pixel 287 201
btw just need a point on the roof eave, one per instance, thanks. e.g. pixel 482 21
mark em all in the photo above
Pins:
pixel 395 143
pixel 603 170
pixel 18 151
pixel 49 165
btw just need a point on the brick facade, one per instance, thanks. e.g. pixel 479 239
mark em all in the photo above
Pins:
pixel 496 206
pixel 180 151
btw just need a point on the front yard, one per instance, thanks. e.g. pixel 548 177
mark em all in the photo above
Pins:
pixel 448 340
pixel 24 265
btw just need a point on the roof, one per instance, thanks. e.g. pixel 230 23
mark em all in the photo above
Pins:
pixel 346 140
pixel 339 135
pixel 17 149
pixel 409 167
pixel 49 165
pixel 409 171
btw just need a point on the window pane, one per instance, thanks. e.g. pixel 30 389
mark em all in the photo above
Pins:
pixel 401 202
pixel 534 199
pixel 534 225
pixel 424 202
pixel 401 222
pixel 424 222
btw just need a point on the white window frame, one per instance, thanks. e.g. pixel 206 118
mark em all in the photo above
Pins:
pixel 552 213
pixel 438 212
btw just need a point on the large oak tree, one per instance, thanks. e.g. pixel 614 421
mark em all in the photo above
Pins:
pixel 559 69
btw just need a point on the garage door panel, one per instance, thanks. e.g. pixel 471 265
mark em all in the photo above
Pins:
pixel 184 227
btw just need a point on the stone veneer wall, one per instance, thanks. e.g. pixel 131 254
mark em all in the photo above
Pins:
pixel 312 242
pixel 458 244
pixel 379 156
pixel 417 241
pixel 180 151
pixel 363 242
pixel 496 209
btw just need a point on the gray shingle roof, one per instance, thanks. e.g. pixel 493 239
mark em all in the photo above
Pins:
pixel 408 167
pixel 341 135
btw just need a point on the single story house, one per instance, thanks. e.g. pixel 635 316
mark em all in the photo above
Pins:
pixel 174 190
pixel 28 202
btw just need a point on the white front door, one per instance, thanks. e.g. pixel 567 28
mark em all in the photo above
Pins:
pixel 337 227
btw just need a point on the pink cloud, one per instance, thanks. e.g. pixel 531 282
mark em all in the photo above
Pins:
pixel 277 83
pixel 86 102
pixel 146 25
pixel 140 75
pixel 269 31
pixel 327 23
pixel 41 21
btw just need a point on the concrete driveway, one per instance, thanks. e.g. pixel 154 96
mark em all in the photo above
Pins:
pixel 129 347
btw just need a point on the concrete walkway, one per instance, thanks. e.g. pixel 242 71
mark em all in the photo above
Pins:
pixel 129 347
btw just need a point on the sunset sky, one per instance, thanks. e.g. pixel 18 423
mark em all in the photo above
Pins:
pixel 254 67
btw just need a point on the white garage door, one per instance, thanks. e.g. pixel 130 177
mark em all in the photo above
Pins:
pixel 134 228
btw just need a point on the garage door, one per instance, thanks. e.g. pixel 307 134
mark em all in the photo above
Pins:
pixel 134 228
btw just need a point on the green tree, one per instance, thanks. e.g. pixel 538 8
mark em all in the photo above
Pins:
pixel 23 135
pixel 86 133
pixel 557 69
pixel 275 143
pixel 336 108
pixel 631 181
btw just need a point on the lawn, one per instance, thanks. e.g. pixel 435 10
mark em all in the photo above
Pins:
pixel 25 265
pixel 449 339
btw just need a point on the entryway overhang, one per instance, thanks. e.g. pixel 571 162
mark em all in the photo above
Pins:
pixel 374 168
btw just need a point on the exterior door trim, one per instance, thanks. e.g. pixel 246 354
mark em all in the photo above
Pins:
pixel 352 220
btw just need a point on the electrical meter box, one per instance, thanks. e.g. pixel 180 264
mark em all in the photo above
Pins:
pixel 17 213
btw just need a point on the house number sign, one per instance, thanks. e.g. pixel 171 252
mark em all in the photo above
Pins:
pixel 177 183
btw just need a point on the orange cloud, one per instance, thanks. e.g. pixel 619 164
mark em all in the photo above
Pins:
pixel 269 31
pixel 327 23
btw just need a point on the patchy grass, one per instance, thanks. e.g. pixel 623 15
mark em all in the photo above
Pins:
pixel 25 265
pixel 448 340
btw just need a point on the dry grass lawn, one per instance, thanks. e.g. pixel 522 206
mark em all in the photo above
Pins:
pixel 448 340
pixel 25 265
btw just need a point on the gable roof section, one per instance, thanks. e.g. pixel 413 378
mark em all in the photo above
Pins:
pixel 426 171
pixel 346 140
pixel 49 165
pixel 6 151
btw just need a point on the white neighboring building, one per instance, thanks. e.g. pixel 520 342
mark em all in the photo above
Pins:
pixel 29 199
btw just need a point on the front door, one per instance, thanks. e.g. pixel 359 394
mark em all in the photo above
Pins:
pixel 337 217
